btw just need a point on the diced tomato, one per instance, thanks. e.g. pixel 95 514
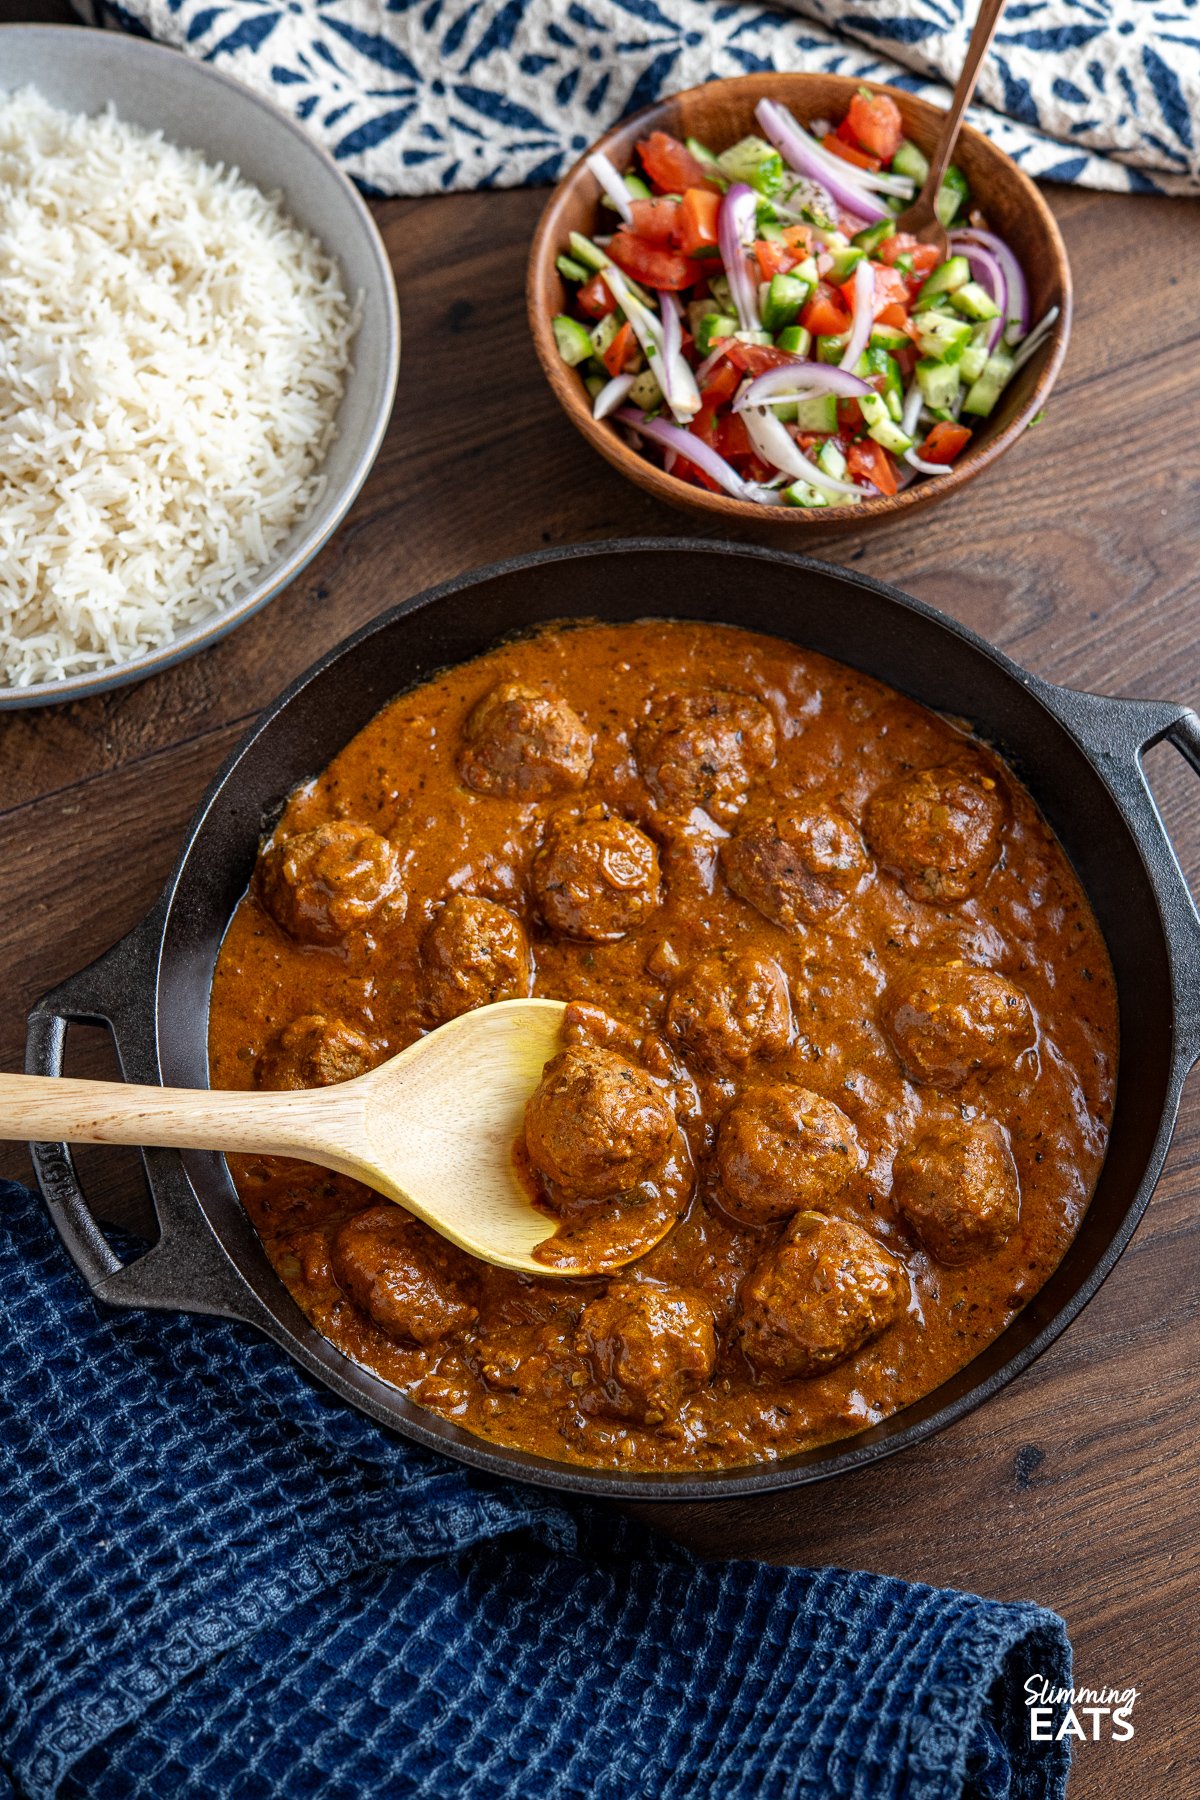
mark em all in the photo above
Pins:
pixel 594 298
pixel 925 260
pixel 756 359
pixel 772 258
pixel 722 384
pixel 875 122
pixel 870 460
pixel 895 314
pixel 733 440
pixel 839 147
pixel 698 220
pixel 850 418
pixel 670 165
pixel 687 471
pixel 656 220
pixel 907 359
pixel 824 315
pixel 617 354
pixel 798 239
pixel 944 442
pixel 891 289
pixel 654 264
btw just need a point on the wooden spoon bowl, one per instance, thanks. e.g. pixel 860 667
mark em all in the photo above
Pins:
pixel 721 112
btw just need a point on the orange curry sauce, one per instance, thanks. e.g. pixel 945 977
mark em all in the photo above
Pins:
pixel 583 1371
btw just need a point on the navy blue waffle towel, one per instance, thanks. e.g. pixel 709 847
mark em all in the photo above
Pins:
pixel 217 1583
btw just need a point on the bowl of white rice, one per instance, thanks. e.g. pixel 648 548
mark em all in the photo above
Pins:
pixel 199 343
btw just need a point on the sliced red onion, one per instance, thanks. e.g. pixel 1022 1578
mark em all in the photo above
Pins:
pixel 864 313
pixel 799 380
pixel 685 444
pixel 611 395
pixel 610 180
pixel 913 402
pixel 854 189
pixel 675 377
pixel 735 224
pixel 926 468
pixel 1016 288
pixel 776 445
pixel 1030 346
pixel 984 264
pixel 710 362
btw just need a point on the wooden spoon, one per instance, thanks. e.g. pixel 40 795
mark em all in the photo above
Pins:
pixel 433 1128
pixel 920 219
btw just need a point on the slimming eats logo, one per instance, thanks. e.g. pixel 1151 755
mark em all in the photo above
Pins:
pixel 1108 1709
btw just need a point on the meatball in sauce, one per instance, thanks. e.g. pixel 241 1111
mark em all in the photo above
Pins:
pixel 840 1042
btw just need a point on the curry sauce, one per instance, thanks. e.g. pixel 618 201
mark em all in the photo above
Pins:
pixel 831 972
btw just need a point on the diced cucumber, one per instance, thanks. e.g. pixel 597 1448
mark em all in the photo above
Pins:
pixel 595 384
pixel 722 293
pixel 645 391
pixel 938 382
pixel 881 425
pixel 706 159
pixel 875 361
pixel 590 255
pixel 889 337
pixel 940 336
pixel 574 344
pixel 910 161
pixel 795 339
pixel 975 301
pixel 832 458
pixel 753 337
pixel 570 270
pixel 844 264
pixel 984 392
pixel 712 327
pixel 755 162
pixel 829 349
pixel 953 196
pixel 904 265
pixel 807 271
pixel 802 493
pixel 870 238
pixel 974 358
pixel 603 332
pixel 954 273
pixel 784 298
pixel 818 414
pixel 697 310
pixel 636 188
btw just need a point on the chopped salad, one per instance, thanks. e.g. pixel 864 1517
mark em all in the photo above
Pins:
pixel 756 317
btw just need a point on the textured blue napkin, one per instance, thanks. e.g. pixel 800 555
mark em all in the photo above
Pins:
pixel 416 96
pixel 217 1583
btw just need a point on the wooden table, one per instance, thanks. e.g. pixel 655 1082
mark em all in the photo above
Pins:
pixel 1077 1486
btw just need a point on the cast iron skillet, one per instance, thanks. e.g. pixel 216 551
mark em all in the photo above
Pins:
pixel 1078 753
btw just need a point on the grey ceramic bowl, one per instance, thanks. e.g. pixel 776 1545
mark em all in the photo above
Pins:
pixel 193 105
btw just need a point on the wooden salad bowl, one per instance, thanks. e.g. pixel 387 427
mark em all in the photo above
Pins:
pixel 721 112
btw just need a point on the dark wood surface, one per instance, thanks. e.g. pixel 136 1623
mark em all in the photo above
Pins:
pixel 1078 554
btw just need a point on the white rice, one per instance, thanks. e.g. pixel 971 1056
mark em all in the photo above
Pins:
pixel 172 354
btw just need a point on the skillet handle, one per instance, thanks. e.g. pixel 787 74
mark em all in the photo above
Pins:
pixel 1117 733
pixel 187 1270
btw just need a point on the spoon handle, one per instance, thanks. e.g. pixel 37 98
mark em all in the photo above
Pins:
pixel 977 48
pixel 50 1109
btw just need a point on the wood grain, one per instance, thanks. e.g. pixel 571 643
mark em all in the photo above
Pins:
pixel 1078 553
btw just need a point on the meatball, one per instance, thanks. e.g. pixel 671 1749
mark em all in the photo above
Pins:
pixel 950 1022
pixel 725 1010
pixel 402 1276
pixel 825 1291
pixel 782 1149
pixel 798 867
pixel 650 1342
pixel 474 952
pixel 314 1051
pixel 322 884
pixel 939 830
pixel 705 750
pixel 524 744
pixel 596 877
pixel 958 1189
pixel 597 1126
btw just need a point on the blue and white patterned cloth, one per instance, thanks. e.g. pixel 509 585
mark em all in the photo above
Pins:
pixel 217 1583
pixel 420 96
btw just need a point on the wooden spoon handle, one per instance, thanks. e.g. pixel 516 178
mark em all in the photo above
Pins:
pixel 977 48
pixel 44 1108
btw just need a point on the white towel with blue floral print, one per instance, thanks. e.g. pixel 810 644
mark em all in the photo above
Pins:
pixel 420 96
